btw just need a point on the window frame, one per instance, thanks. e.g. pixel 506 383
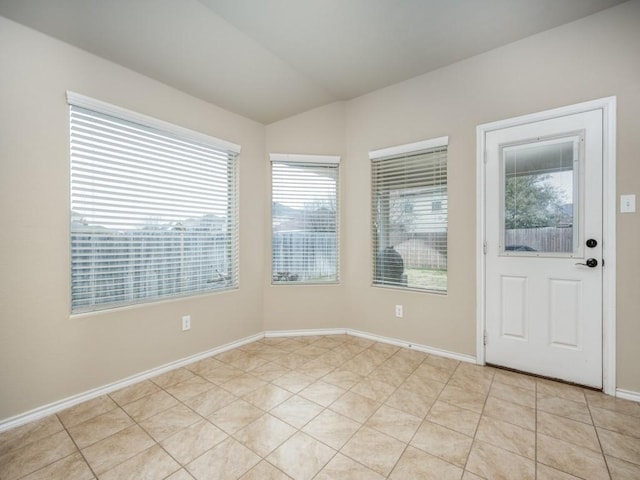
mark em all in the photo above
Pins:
pixel 124 118
pixel 397 153
pixel 302 160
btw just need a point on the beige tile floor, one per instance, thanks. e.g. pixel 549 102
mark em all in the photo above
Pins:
pixel 332 407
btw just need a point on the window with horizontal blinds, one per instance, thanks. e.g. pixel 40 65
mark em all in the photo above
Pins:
pixel 153 211
pixel 409 216
pixel 304 219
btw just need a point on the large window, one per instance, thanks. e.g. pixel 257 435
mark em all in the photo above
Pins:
pixel 304 218
pixel 409 215
pixel 153 209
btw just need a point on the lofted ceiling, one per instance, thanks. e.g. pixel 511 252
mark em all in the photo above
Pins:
pixel 270 59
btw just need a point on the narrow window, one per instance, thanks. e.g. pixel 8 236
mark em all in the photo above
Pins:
pixel 304 219
pixel 409 216
pixel 153 209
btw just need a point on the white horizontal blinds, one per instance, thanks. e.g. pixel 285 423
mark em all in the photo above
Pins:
pixel 409 199
pixel 153 215
pixel 305 228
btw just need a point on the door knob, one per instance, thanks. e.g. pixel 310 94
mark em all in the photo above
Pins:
pixel 591 263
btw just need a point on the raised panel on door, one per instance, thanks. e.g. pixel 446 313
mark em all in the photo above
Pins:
pixel 565 312
pixel 514 315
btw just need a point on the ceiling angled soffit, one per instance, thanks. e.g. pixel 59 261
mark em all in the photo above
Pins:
pixel 353 47
pixel 270 59
pixel 182 44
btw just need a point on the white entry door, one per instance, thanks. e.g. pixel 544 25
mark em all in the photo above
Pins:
pixel 543 264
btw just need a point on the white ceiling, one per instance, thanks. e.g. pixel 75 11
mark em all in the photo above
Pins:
pixel 269 59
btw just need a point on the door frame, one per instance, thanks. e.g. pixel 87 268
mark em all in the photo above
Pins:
pixel 608 107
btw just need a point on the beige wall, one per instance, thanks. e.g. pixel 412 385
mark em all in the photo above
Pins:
pixel 44 354
pixel 624 57
pixel 291 307
pixel 592 58
pixel 596 57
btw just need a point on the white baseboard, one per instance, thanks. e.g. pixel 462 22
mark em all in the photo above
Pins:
pixel 63 404
pixel 628 395
pixel 58 406
pixel 371 336
pixel 414 346
pixel 305 333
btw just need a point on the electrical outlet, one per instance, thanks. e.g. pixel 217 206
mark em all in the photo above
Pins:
pixel 186 323
pixel 399 311
pixel 627 203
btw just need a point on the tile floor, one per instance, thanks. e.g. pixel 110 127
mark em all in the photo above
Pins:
pixel 332 407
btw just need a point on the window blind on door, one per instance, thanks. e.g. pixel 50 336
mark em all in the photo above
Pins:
pixel 305 227
pixel 153 209
pixel 409 216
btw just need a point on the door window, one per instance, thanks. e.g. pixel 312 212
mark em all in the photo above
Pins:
pixel 540 191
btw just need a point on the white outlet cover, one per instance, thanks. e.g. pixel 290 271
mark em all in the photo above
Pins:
pixel 627 203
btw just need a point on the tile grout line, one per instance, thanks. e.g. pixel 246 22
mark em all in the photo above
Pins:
pixel 475 432
pixel 592 424
pixel 425 419
pixel 337 451
pixel 363 424
pixel 141 428
pixel 316 379
pixel 299 430
pixel 86 461
pixel 206 419
pixel 157 442
pixel 604 457
pixel 381 404
pixel 323 409
pixel 421 422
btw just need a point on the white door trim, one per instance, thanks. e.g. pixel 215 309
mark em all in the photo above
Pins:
pixel 608 107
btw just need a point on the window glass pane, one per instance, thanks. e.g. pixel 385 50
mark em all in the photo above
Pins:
pixel 304 222
pixel 152 215
pixel 410 220
pixel 539 184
